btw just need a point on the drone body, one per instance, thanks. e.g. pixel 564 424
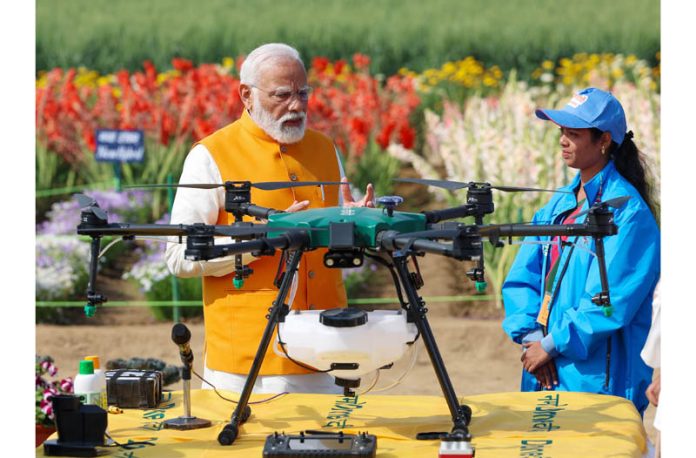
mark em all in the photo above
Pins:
pixel 366 223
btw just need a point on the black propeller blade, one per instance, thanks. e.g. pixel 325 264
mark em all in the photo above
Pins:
pixel 265 186
pixel 87 202
pixel 454 185
pixel 616 202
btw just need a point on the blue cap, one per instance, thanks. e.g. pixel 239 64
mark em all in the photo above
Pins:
pixel 589 108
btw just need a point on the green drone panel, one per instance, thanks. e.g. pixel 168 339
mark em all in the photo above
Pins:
pixel 368 223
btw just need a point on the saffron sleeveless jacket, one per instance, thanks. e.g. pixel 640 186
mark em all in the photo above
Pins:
pixel 235 318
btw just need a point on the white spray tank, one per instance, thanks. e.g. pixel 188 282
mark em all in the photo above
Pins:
pixel 350 341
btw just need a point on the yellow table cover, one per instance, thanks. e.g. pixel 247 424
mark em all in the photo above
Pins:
pixel 541 424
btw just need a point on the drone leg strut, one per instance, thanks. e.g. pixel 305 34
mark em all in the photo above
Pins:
pixel 229 433
pixel 461 414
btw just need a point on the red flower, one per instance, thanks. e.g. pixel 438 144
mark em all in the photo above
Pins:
pixel 183 65
pixel 407 136
pixel 361 61
pixel 319 64
pixel 339 65
pixel 88 138
pixel 384 135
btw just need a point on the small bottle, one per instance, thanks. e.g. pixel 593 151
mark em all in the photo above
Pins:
pixel 87 384
pixel 102 380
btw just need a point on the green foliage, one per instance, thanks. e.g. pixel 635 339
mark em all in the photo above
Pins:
pixel 190 289
pixel 107 36
pixel 374 166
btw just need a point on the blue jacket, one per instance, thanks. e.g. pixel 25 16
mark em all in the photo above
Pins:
pixel 578 330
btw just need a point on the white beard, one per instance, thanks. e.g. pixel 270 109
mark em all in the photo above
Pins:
pixel 274 128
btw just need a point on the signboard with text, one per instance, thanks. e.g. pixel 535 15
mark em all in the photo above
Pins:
pixel 120 145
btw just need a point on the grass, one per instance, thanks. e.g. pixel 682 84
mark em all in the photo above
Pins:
pixel 107 36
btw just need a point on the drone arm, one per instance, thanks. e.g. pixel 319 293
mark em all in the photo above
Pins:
pixel 435 216
pixel 260 212
pixel 391 241
pixel 596 229
pixel 291 240
pixel 179 266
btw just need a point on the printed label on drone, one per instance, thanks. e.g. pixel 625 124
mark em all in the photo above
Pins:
pixel 120 145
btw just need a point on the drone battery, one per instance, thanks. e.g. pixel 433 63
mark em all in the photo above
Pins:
pixel 133 388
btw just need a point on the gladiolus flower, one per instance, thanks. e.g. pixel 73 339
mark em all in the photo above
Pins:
pixel 183 65
pixel 361 61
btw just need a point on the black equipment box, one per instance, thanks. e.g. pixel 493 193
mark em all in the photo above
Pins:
pixel 134 388
pixel 81 427
pixel 320 445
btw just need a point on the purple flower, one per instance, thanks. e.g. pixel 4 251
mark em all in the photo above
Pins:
pixel 63 217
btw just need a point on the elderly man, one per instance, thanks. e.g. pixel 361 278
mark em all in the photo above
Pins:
pixel 268 143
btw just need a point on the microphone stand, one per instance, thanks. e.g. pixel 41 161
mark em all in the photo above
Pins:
pixel 186 421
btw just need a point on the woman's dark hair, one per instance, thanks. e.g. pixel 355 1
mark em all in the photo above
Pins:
pixel 630 163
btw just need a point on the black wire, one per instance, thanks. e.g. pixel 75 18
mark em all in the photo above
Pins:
pixel 127 446
pixel 397 283
pixel 232 400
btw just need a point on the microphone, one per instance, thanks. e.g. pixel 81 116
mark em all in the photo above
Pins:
pixel 181 336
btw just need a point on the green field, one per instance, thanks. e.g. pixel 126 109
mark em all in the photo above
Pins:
pixel 110 35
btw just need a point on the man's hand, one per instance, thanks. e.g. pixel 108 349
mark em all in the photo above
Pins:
pixel 297 206
pixel 653 391
pixel 534 356
pixel 366 201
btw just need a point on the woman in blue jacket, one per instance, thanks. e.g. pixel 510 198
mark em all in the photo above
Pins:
pixel 568 341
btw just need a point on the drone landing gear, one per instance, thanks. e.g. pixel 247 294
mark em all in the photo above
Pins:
pixel 231 430
pixel 461 414
pixel 242 412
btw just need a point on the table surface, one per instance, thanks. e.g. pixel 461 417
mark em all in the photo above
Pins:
pixel 553 424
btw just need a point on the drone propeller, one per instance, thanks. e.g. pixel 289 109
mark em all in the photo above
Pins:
pixel 454 185
pixel 616 202
pixel 265 186
pixel 87 202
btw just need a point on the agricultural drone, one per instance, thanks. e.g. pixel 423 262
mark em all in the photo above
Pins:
pixel 349 234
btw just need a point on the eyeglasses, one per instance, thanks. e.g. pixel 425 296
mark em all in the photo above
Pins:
pixel 283 94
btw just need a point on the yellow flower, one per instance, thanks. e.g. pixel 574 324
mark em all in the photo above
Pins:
pixel 104 80
pixel 449 68
pixel 86 77
pixel 227 63
pixel 161 78
pixel 547 65
pixel 489 81
pixel 116 92
pixel 617 73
